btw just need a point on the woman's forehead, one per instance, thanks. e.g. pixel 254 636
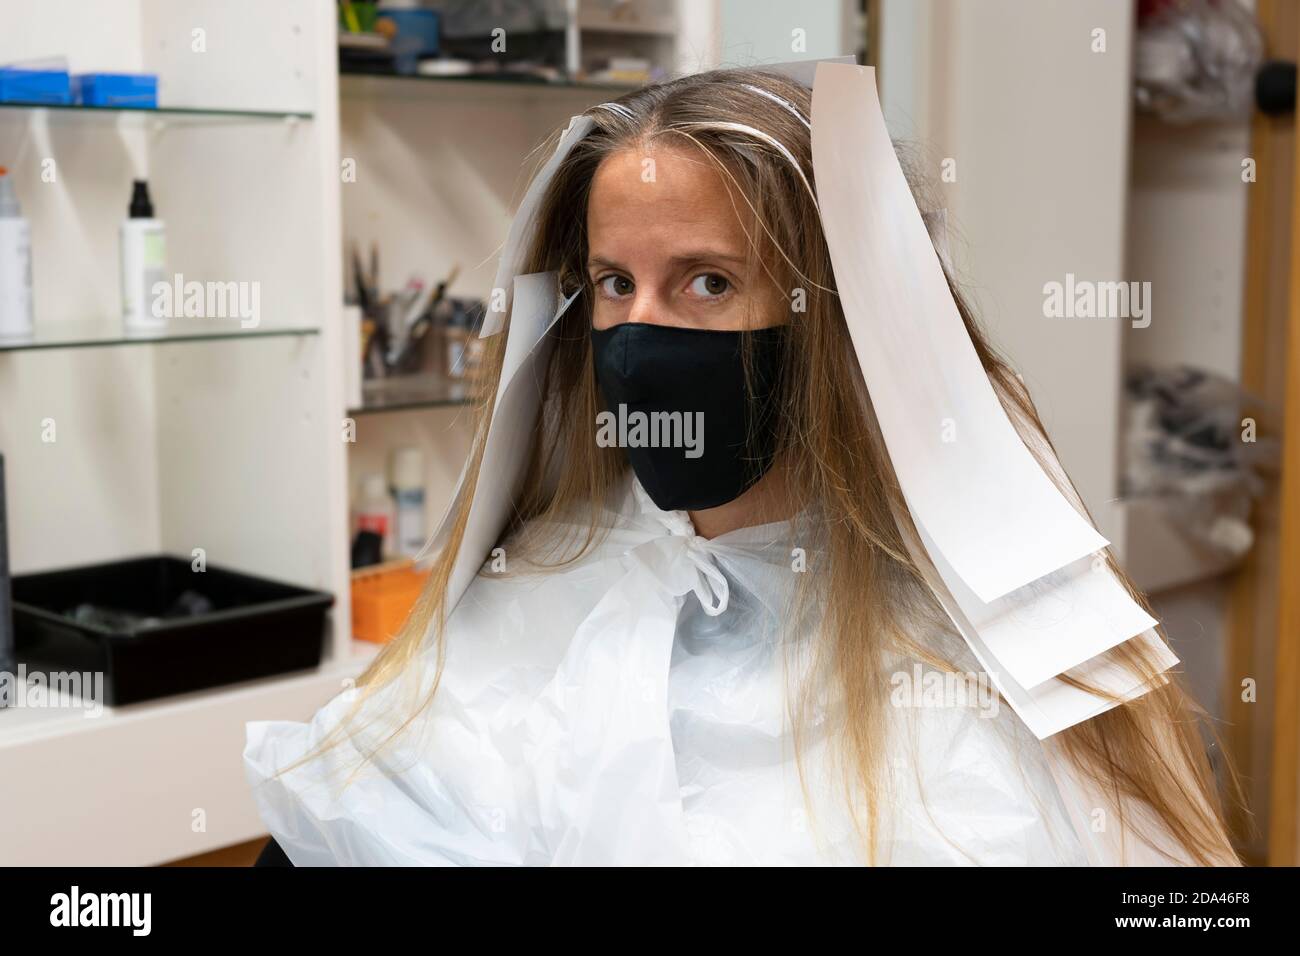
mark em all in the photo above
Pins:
pixel 673 199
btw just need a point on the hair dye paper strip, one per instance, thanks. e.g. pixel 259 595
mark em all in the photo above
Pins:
pixel 1056 623
pixel 967 475
pixel 532 300
pixel 533 312
pixel 1054 705
pixel 537 306
pixel 936 224
pixel 524 225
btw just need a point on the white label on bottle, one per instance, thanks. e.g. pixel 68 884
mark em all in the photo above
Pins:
pixel 410 520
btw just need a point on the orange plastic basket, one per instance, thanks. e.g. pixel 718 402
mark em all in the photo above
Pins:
pixel 382 597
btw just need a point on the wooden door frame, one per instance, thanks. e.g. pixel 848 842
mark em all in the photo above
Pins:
pixel 1283 847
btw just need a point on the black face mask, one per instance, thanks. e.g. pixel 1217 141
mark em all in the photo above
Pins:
pixel 676 399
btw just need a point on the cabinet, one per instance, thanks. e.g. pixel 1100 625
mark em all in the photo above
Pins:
pixel 210 436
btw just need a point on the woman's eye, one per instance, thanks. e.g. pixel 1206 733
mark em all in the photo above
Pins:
pixel 615 287
pixel 710 285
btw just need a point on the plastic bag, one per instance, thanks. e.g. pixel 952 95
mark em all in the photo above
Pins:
pixel 1196 60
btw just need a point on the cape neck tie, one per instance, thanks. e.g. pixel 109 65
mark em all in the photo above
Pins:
pixel 607 788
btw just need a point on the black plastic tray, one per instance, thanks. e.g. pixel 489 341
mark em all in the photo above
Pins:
pixel 255 627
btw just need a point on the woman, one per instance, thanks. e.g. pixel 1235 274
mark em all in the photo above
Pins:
pixel 707 632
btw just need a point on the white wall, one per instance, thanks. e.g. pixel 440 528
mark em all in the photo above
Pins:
pixel 1186 233
pixel 1038 125
pixel 758 31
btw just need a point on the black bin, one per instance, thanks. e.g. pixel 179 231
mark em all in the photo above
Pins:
pixel 154 627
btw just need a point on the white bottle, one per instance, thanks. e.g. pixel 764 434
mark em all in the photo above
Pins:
pixel 374 511
pixel 408 498
pixel 144 254
pixel 15 265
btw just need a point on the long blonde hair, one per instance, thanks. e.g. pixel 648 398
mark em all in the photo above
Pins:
pixel 867 589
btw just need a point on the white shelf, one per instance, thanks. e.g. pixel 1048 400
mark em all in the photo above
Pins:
pixel 72 715
pixel 72 113
pixel 102 334
pixel 188 443
pixel 486 86
pixel 130 786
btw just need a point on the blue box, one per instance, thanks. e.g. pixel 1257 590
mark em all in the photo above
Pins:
pixel 45 87
pixel 138 90
pixel 417 30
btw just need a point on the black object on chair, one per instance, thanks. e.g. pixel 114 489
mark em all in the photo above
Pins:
pixel 272 855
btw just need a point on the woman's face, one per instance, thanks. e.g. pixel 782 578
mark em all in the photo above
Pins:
pixel 666 246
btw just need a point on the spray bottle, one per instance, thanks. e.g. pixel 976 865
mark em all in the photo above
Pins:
pixel 144 252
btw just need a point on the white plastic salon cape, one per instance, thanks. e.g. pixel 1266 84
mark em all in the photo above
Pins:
pixel 633 706
pixel 630 709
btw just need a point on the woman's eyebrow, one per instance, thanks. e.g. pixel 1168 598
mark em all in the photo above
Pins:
pixel 684 258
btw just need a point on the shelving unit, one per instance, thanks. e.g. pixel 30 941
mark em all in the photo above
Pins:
pixel 203 435
pixel 407 393
pixel 1187 204
pixel 418 84
pixel 147 116
pixel 77 335
pixel 598 29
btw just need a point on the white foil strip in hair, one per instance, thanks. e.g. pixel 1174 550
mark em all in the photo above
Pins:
pixel 780 101
pixel 966 473
pixel 1049 707
pixel 1009 556
pixel 762 137
pixel 524 225
pixel 536 306
pixel 618 108
pixel 936 224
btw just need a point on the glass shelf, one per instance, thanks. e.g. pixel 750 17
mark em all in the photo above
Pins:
pixel 600 21
pixel 412 391
pixel 361 83
pixel 142 116
pixel 74 335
